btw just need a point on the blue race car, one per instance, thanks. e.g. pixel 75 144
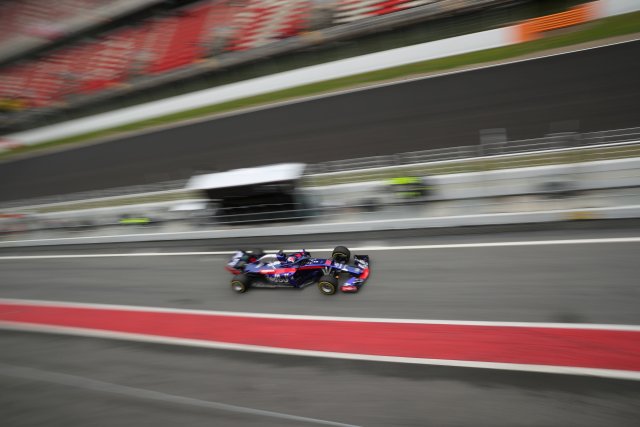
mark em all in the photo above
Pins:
pixel 298 270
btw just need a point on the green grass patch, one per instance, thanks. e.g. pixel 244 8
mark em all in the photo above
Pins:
pixel 597 30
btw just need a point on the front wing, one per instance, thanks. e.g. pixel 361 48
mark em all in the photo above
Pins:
pixel 359 274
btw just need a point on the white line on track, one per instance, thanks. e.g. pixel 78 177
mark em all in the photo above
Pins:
pixel 32 374
pixel 547 369
pixel 98 306
pixel 610 240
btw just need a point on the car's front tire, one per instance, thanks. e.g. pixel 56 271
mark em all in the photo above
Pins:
pixel 240 283
pixel 341 254
pixel 328 285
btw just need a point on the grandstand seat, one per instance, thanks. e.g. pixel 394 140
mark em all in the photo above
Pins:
pixel 353 10
pixel 265 21
pixel 155 45
pixel 43 19
pixel 218 31
pixel 179 40
pixel 110 59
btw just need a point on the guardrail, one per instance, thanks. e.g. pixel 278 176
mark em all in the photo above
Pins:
pixel 550 145
pixel 87 196
pixel 552 149
pixel 526 210
pixel 452 194
pixel 370 210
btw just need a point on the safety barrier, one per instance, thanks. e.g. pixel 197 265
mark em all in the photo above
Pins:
pixel 507 150
pixel 549 150
pixel 343 224
pixel 585 186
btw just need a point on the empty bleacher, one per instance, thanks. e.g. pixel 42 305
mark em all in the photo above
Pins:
pixel 265 21
pixel 354 10
pixel 155 46
pixel 166 41
pixel 38 18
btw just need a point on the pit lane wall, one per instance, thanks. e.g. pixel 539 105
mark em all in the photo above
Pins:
pixel 576 177
pixel 314 74
pixel 490 205
pixel 520 219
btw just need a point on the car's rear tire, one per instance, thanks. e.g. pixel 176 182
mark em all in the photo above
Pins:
pixel 341 254
pixel 240 283
pixel 328 285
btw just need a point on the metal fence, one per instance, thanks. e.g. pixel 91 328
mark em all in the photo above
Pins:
pixel 133 190
pixel 551 143
pixel 592 205
pixel 551 149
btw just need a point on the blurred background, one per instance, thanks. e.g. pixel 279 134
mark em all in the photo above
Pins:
pixel 206 126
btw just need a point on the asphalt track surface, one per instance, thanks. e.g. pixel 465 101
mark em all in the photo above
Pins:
pixel 585 283
pixel 599 88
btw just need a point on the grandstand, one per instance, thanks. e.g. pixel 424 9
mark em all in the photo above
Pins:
pixel 32 18
pixel 354 10
pixel 167 42
pixel 30 25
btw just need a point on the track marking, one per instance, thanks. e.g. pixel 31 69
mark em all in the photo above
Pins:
pixel 609 240
pixel 575 349
pixel 520 367
pixel 27 373
pixel 67 304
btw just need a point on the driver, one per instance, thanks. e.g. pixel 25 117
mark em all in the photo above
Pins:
pixel 291 258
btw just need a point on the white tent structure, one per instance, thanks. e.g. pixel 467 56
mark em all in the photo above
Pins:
pixel 281 172
pixel 254 194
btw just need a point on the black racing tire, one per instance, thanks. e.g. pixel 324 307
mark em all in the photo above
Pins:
pixel 341 254
pixel 328 285
pixel 240 283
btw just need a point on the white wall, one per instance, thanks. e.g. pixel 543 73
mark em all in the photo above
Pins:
pixel 617 7
pixel 497 183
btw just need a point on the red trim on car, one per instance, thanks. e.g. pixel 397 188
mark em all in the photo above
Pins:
pixel 233 270
pixel 278 271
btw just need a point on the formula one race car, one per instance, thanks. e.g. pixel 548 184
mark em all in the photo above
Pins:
pixel 298 270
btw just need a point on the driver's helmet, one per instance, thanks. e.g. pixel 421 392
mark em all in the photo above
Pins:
pixel 295 257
